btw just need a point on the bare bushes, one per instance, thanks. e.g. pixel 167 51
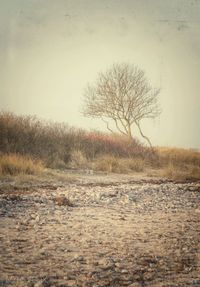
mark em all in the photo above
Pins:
pixel 26 135
pixel 58 144
pixel 94 144
pixel 61 147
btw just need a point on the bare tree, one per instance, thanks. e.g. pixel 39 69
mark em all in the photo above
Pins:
pixel 123 95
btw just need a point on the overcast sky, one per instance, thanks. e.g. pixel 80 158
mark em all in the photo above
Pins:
pixel 50 50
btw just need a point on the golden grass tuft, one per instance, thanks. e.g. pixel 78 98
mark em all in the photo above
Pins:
pixel 14 164
pixel 107 163
pixel 185 173
pixel 78 159
pixel 178 156
pixel 110 163
pixel 179 163
pixel 135 164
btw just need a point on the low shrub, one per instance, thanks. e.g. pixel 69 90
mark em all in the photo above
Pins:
pixel 119 165
pixel 178 163
pixel 60 146
pixel 95 144
pixel 184 173
pixel 135 164
pixel 78 159
pixel 57 144
pixel 14 164
pixel 107 163
pixel 177 156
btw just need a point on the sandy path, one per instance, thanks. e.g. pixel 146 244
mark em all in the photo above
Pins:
pixel 115 234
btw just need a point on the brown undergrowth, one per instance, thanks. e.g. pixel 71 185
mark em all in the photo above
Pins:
pixel 14 164
pixel 178 163
pixel 58 146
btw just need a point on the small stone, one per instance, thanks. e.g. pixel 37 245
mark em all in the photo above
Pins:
pixel 106 264
pixel 78 257
pixel 67 250
pixel 124 271
pixel 135 284
pixel 62 200
pixel 71 283
pixel 43 283
pixel 37 219
pixel 122 218
pixel 39 284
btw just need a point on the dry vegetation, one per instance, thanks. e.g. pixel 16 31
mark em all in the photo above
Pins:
pixel 14 164
pixel 107 229
pixel 28 144
pixel 179 163
pixel 119 165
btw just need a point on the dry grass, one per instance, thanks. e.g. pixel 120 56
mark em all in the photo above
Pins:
pixel 107 163
pixel 60 147
pixel 189 172
pixel 135 164
pixel 178 163
pixel 57 143
pixel 172 163
pixel 78 159
pixel 178 156
pixel 110 163
pixel 48 178
pixel 14 164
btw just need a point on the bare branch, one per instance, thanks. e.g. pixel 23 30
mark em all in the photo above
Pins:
pixel 107 125
pixel 145 137
pixel 119 129
pixel 124 95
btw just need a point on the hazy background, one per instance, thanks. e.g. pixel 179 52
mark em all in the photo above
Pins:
pixel 50 50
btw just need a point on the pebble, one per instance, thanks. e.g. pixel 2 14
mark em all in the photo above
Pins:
pixel 39 284
pixel 135 285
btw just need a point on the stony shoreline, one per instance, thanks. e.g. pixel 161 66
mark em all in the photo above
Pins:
pixel 101 231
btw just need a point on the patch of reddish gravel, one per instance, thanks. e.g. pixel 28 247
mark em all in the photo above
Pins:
pixel 100 232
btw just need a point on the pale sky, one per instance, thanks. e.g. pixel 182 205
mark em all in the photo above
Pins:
pixel 51 49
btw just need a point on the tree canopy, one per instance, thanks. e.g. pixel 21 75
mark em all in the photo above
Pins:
pixel 123 95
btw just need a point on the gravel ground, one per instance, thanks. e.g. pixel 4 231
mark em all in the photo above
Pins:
pixel 101 231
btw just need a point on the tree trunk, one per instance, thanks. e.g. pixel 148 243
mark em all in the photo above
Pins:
pixel 129 132
pixel 145 137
